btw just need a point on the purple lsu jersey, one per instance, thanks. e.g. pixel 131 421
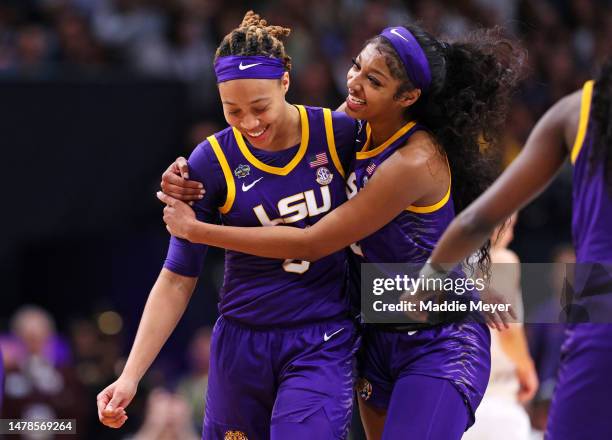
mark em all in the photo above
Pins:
pixel 592 203
pixel 456 352
pixel 251 187
pixel 580 406
pixel 412 235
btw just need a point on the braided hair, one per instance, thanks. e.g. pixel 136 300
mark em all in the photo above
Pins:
pixel 255 37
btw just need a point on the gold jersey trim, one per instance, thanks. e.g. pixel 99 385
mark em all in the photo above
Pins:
pixel 227 173
pixel 280 171
pixel 365 153
pixel 583 123
pixel 331 141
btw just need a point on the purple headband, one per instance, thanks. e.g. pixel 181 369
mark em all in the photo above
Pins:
pixel 243 67
pixel 412 55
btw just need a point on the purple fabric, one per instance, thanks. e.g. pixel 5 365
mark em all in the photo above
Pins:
pixel 457 353
pixel 251 67
pixel 314 426
pixel 410 237
pixel 262 378
pixel 412 55
pixel 592 206
pixel 581 403
pixel 185 258
pixel 261 291
pixel 437 410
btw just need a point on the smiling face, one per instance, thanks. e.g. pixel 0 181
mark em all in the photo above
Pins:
pixel 256 107
pixel 372 88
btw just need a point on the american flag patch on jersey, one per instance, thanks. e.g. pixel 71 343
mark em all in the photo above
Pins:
pixel 370 169
pixel 318 160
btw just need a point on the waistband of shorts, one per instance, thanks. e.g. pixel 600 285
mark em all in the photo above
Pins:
pixel 343 317
pixel 443 319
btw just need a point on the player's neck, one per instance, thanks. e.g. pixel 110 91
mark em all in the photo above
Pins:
pixel 384 127
pixel 289 129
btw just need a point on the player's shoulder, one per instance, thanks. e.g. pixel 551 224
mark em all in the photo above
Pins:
pixel 344 121
pixel 420 150
pixel 203 155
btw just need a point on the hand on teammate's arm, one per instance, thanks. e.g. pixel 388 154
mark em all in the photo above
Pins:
pixel 175 182
pixel 180 219
pixel 399 182
pixel 165 306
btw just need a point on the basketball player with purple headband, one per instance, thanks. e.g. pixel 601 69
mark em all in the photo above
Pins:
pixel 577 127
pixel 428 106
pixel 282 354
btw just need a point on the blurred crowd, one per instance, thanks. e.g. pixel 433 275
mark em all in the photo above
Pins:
pixel 565 40
pixel 57 375
pixel 51 375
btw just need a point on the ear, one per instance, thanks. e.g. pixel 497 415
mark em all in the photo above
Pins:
pixel 285 81
pixel 409 98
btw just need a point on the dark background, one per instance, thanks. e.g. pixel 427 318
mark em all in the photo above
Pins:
pixel 97 97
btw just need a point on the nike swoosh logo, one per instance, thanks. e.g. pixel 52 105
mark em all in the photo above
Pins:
pixel 412 332
pixel 245 188
pixel 247 66
pixel 395 32
pixel 327 337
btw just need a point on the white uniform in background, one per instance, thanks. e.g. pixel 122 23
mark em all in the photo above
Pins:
pixel 500 416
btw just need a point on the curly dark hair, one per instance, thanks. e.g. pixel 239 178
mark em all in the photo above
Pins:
pixel 255 37
pixel 465 106
pixel 601 114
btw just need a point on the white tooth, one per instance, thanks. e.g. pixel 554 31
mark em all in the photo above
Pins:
pixel 259 133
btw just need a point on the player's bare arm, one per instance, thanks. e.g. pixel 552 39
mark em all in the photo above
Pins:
pixel 165 306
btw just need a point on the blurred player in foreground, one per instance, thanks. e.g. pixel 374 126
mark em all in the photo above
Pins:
pixel 513 380
pixel 579 126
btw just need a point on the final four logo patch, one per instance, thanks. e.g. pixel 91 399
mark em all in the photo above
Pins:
pixel 242 171
pixel 363 388
pixel 324 176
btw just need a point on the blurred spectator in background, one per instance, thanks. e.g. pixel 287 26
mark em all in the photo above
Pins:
pixel 40 382
pixel 167 417
pixel 513 381
pixel 192 387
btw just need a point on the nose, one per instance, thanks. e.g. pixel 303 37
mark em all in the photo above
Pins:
pixel 352 82
pixel 249 122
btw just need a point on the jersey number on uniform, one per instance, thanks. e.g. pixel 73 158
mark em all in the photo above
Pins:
pixel 293 209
